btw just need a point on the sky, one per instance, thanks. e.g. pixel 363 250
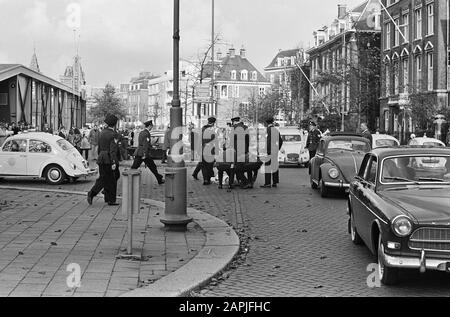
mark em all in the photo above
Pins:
pixel 117 39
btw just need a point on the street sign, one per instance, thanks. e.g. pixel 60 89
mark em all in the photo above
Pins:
pixel 202 93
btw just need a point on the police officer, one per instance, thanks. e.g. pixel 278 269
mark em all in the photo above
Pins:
pixel 142 153
pixel 314 136
pixel 108 164
pixel 208 136
pixel 272 172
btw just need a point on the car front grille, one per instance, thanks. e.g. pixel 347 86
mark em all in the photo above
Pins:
pixel 431 239
pixel 293 156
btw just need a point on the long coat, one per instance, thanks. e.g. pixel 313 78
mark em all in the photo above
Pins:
pixel 144 147
pixel 107 150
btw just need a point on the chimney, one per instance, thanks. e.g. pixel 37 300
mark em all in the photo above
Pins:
pixel 243 52
pixel 232 52
pixel 342 11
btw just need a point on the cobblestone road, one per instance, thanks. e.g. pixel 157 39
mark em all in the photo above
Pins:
pixel 299 245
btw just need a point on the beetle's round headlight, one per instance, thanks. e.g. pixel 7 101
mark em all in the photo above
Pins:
pixel 402 226
pixel 333 173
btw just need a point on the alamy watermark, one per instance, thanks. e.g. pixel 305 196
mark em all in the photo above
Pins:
pixel 74 278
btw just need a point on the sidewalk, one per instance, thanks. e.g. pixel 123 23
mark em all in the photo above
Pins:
pixel 42 233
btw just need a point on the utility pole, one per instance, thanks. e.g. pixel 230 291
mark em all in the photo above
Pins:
pixel 213 40
pixel 176 217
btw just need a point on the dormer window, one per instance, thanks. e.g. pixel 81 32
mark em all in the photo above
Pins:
pixel 244 75
pixel 233 75
pixel 254 76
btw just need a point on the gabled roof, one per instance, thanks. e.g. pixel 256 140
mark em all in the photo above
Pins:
pixel 282 54
pixel 8 71
pixel 238 64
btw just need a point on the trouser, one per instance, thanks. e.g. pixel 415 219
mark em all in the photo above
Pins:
pixel 272 177
pixel 106 181
pixel 86 154
pixel 138 160
pixel 240 170
pixel 198 169
pixel 312 154
pixel 252 172
pixel 230 172
pixel 207 171
pixel 94 152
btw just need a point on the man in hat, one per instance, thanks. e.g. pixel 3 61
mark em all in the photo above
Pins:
pixel 272 173
pixel 108 163
pixel 142 153
pixel 314 136
pixel 208 136
pixel 241 151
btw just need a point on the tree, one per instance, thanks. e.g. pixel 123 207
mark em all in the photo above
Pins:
pixel 108 103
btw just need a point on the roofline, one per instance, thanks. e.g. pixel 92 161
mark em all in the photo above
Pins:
pixel 20 69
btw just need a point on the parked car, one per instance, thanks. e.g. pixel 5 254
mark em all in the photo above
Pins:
pixel 429 142
pixel 401 211
pixel 337 161
pixel 384 140
pixel 293 151
pixel 42 155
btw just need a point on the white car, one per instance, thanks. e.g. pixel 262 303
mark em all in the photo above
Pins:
pixel 426 142
pixel 293 151
pixel 42 155
pixel 384 140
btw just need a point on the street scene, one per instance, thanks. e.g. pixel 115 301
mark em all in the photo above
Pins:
pixel 160 156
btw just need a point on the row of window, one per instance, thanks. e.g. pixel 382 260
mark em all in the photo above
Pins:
pixel 233 91
pixel 244 75
pixel 399 32
pixel 21 146
pixel 398 74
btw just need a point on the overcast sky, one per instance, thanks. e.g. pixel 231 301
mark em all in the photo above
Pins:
pixel 120 38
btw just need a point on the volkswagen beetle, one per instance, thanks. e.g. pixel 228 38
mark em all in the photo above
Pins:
pixel 42 155
pixel 337 161
pixel 400 210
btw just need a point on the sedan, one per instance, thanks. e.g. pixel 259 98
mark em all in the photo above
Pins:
pixel 400 211
pixel 42 155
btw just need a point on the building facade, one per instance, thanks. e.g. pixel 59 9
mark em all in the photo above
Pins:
pixel 138 98
pixel 415 62
pixel 237 84
pixel 345 67
pixel 289 81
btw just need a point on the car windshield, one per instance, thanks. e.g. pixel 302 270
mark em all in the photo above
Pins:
pixel 292 138
pixel 385 143
pixel 349 145
pixel 65 145
pixel 416 169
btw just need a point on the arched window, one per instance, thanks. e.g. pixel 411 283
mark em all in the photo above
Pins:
pixel 233 75
pixel 254 76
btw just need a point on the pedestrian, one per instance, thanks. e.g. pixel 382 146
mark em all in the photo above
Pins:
pixel 108 163
pixel 15 129
pixel 196 140
pixel 142 153
pixel 166 145
pixel 208 153
pixel 314 136
pixel 272 174
pixel 85 147
pixel 62 133
pixel 93 138
pixel 366 133
pixel 240 134
pixel 47 129
pixel 77 138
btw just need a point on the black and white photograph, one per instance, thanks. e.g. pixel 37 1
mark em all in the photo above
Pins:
pixel 205 150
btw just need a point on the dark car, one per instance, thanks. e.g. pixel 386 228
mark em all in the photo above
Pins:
pixel 337 161
pixel 399 206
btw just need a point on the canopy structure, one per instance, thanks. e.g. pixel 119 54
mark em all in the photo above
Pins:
pixel 32 98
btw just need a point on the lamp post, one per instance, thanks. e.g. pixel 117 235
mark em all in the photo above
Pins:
pixel 176 217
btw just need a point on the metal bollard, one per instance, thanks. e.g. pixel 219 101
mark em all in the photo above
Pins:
pixel 131 201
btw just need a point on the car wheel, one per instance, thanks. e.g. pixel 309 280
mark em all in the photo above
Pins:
pixel 387 275
pixel 356 239
pixel 323 189
pixel 55 175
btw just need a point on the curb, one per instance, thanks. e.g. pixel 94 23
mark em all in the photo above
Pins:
pixel 222 245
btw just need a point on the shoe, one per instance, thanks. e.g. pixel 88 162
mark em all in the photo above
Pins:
pixel 161 182
pixel 266 186
pixel 195 177
pixel 113 204
pixel 274 186
pixel 207 183
pixel 90 198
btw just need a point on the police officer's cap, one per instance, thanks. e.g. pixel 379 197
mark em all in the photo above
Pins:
pixel 270 121
pixel 237 119
pixel 111 120
pixel 212 120
pixel 148 123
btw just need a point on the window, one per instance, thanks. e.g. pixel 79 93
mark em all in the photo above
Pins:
pixel 406 27
pixel 418 15
pixel 388 36
pixel 430 71
pixel 262 91
pixel 387 74
pixel 272 78
pixel 430 19
pixel 396 33
pixel 244 75
pixel 371 173
pixel 254 76
pixel 418 67
pixel 19 146
pixel 405 68
pixel 39 147
pixel 233 75
pixel 224 91
pixel 3 99
pixel 65 145
pixel 396 77
pixel 236 91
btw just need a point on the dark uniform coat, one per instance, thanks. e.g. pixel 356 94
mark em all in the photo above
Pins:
pixel 144 146
pixel 312 143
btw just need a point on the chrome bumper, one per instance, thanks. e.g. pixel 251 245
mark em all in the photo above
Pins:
pixel 91 172
pixel 340 185
pixel 422 263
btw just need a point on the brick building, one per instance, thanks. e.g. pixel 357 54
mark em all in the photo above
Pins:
pixel 345 66
pixel 415 61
